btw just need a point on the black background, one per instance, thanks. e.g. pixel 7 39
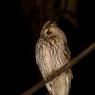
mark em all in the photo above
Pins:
pixel 19 67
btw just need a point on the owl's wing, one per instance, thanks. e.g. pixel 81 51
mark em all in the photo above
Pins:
pixel 62 83
pixel 67 56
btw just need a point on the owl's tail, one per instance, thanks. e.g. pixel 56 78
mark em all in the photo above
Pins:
pixel 60 85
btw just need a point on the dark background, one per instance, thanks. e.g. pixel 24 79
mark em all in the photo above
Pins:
pixel 20 36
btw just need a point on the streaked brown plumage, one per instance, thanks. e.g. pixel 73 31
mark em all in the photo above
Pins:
pixel 52 53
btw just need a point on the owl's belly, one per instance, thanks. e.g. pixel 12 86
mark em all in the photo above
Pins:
pixel 51 61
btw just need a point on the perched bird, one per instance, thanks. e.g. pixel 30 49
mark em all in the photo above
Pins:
pixel 52 53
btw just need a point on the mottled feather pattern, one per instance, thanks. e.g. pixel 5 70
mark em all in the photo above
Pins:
pixel 52 53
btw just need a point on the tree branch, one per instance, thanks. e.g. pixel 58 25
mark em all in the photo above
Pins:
pixel 61 70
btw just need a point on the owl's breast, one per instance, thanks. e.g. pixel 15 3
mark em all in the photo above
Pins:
pixel 50 56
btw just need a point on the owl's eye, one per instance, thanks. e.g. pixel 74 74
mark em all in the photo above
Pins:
pixel 48 32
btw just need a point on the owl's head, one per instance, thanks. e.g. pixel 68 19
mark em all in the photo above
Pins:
pixel 50 29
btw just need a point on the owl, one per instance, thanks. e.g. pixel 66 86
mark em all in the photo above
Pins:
pixel 52 52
